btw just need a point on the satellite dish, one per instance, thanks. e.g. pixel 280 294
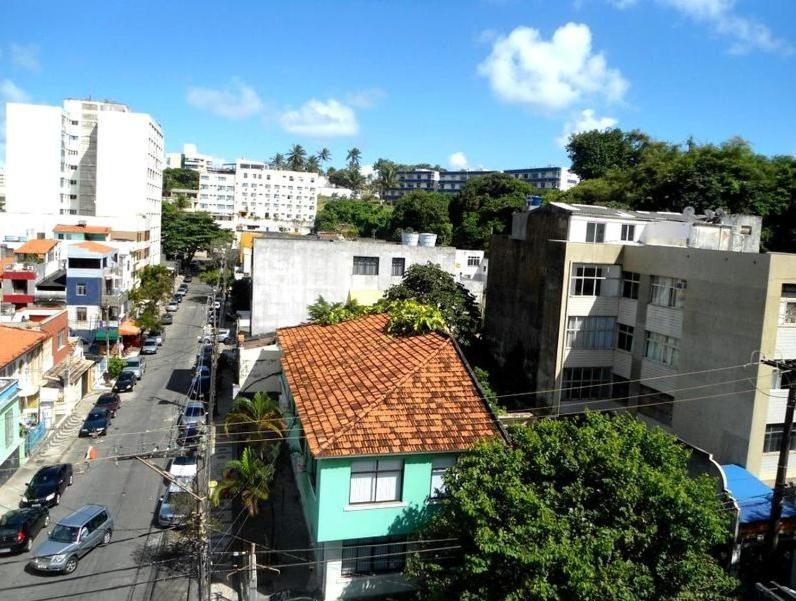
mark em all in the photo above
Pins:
pixel 689 213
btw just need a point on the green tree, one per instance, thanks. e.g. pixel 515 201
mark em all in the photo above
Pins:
pixel 430 285
pixel 325 313
pixel 354 218
pixel 278 161
pixel 312 164
pixel 423 211
pixel 186 179
pixel 155 284
pixel 296 157
pixel 409 317
pixel 324 155
pixel 249 478
pixel 115 366
pixel 352 157
pixel 591 508
pixel 185 233
pixel 387 177
pixel 255 419
pixel 485 206
pixel 593 153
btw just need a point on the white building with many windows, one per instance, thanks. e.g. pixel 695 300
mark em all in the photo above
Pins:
pixel 217 194
pixel 665 315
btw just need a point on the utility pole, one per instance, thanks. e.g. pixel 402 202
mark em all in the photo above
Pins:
pixel 772 536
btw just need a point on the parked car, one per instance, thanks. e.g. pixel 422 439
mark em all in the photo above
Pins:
pixel 200 387
pixel 158 335
pixel 137 365
pixel 172 306
pixel 178 296
pixel 126 381
pixel 19 527
pixel 183 287
pixel 175 505
pixel 97 422
pixel 193 414
pixel 47 486
pixel 189 437
pixel 167 318
pixel 72 537
pixel 110 401
pixel 188 278
pixel 182 468
pixel 150 346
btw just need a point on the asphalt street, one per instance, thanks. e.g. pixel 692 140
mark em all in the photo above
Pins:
pixel 146 419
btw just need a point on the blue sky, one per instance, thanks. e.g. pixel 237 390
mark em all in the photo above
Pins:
pixel 493 83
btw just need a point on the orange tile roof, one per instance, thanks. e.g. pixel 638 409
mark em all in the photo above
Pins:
pixel 81 229
pixel 17 341
pixel 95 247
pixel 36 247
pixel 360 391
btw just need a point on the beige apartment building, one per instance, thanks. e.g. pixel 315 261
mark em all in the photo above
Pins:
pixel 663 314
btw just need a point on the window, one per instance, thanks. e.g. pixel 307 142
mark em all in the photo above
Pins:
pixel 586 383
pixel 790 313
pixel 595 232
pixel 61 338
pixel 667 292
pixel 8 428
pixel 628 232
pixel 663 349
pixel 473 260
pixel 366 266
pixel 773 438
pixel 624 337
pixel 587 280
pixel 80 289
pixel 630 284
pixel 656 405
pixel 81 314
pixel 398 266
pixel 376 481
pixel 590 332
pixel 439 467
pixel 367 556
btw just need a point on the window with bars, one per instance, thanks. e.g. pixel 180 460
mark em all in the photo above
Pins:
pixel 473 261
pixel 366 266
pixel 581 383
pixel 667 292
pixel 663 349
pixel 595 232
pixel 376 481
pixel 655 404
pixel 590 332
pixel 628 232
pixel 398 266
pixel 773 438
pixel 630 284
pixel 587 280
pixel 624 337
pixel 368 556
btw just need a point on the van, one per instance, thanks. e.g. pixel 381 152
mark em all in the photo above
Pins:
pixel 72 537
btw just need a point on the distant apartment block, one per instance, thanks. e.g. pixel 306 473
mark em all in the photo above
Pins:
pixel 217 194
pixel 89 159
pixel 662 314
pixel 289 273
pixel 546 177
pixel 189 158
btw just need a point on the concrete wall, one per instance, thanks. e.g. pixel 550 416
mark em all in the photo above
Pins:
pixel 288 274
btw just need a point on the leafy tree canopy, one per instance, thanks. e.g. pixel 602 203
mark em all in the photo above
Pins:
pixel 592 508
pixel 183 233
pixel 407 317
pixel 423 211
pixel 354 218
pixel 594 153
pixel 429 284
pixel 187 179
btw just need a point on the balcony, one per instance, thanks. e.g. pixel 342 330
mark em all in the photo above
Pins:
pixel 114 297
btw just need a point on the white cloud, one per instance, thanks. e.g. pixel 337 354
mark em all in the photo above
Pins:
pixel 365 99
pixel 623 4
pixel 236 101
pixel 525 69
pixel 25 56
pixel 585 121
pixel 322 119
pixel 9 92
pixel 458 160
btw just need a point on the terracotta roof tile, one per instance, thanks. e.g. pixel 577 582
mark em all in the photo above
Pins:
pixel 36 247
pixel 95 247
pixel 360 391
pixel 17 341
pixel 81 229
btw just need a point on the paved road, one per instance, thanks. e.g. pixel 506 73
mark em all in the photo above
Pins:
pixel 128 488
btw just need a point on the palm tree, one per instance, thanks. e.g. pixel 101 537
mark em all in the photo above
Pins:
pixel 324 155
pixel 353 156
pixel 313 164
pixel 296 157
pixel 278 161
pixel 387 179
pixel 248 477
pixel 257 417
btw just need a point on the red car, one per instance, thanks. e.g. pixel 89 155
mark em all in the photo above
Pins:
pixel 110 401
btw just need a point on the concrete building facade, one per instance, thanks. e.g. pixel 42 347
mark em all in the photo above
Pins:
pixel 664 315
pixel 289 273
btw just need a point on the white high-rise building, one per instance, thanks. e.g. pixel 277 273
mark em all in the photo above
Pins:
pixel 87 158
pixel 217 194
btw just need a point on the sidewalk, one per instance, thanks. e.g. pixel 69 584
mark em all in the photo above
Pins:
pixel 49 451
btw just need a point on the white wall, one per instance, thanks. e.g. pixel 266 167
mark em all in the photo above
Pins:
pixel 337 586
pixel 33 158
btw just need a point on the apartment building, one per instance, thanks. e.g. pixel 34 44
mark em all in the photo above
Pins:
pixel 662 314
pixel 557 178
pixel 31 263
pixel 289 273
pixel 452 182
pixel 85 159
pixel 217 194
pixel 189 158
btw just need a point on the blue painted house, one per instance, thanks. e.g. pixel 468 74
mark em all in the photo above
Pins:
pixel 10 441
pixel 375 421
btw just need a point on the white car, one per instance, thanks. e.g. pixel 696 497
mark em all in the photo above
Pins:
pixel 183 468
pixel 172 307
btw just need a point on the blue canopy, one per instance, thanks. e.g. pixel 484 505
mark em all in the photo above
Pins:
pixel 753 495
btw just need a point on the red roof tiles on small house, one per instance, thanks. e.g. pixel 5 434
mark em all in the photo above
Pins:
pixel 15 342
pixel 95 247
pixel 81 229
pixel 36 247
pixel 360 391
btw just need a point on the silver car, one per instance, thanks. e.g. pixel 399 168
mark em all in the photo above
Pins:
pixel 175 505
pixel 72 537
pixel 137 365
pixel 193 414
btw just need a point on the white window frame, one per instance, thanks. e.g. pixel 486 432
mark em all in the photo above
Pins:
pixel 587 280
pixel 789 315
pixel 439 467
pixel 662 349
pixel 378 472
pixel 362 265
pixel 624 337
pixel 628 233
pixel 590 332
pixel 595 232
pixel 667 292
pixel 80 289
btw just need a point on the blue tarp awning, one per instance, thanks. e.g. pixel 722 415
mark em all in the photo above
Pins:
pixel 753 495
